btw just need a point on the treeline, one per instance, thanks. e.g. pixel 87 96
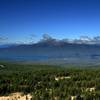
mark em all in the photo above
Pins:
pixel 47 82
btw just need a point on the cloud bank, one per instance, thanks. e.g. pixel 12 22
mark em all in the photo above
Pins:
pixel 80 40
pixel 48 39
pixel 2 39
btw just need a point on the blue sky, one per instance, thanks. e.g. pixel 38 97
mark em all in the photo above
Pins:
pixel 22 19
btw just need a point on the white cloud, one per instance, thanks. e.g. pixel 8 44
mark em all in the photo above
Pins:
pixel 3 39
pixel 80 40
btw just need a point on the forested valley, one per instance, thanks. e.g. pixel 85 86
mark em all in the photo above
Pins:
pixel 50 82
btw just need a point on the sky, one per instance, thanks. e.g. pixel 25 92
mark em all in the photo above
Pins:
pixel 27 20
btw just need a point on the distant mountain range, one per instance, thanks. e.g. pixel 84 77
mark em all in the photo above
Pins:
pixel 53 51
